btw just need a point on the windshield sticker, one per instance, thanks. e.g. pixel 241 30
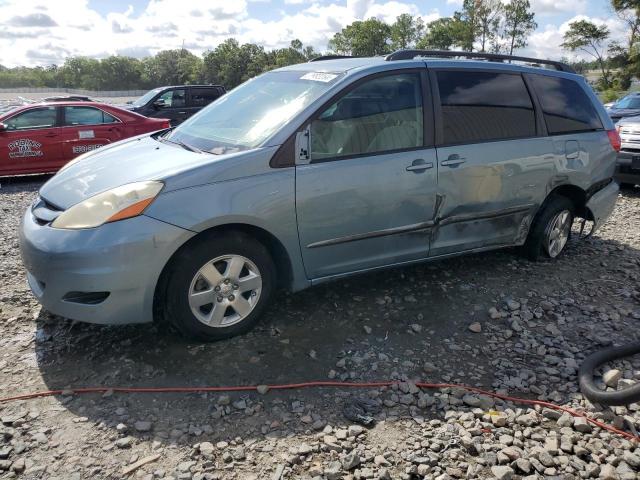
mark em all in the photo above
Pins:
pixel 23 148
pixel 86 134
pixel 84 148
pixel 319 77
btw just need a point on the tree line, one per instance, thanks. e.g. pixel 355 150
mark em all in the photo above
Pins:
pixel 495 26
pixel 229 64
pixel 480 25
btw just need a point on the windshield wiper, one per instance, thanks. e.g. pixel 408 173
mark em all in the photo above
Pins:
pixel 186 146
pixel 191 148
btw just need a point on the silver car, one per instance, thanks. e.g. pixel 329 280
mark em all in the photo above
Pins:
pixel 317 171
pixel 628 168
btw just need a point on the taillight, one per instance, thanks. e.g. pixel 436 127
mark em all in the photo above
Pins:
pixel 614 139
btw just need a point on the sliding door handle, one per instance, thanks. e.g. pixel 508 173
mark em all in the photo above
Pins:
pixel 419 165
pixel 453 160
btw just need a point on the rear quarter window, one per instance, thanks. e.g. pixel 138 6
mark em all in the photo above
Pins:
pixel 565 105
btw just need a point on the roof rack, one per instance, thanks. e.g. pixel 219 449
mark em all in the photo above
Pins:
pixel 492 57
pixel 329 57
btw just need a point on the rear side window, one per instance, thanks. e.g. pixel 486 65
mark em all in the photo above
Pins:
pixel 203 96
pixel 565 105
pixel 86 116
pixel 482 106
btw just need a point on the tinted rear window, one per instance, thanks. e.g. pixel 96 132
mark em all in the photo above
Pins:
pixel 566 106
pixel 481 106
pixel 203 96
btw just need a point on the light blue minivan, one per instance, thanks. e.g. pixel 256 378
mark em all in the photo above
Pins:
pixel 318 171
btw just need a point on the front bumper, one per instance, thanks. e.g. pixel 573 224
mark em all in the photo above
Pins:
pixel 70 270
pixel 602 203
pixel 624 171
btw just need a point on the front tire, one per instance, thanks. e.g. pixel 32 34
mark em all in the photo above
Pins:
pixel 551 230
pixel 218 285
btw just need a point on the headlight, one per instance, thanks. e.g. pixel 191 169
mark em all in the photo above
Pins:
pixel 118 203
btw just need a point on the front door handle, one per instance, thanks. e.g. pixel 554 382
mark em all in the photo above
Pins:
pixel 50 135
pixel 182 113
pixel 419 165
pixel 453 160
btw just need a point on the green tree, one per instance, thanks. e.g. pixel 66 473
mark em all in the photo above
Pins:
pixel 629 12
pixel 118 73
pixel 467 26
pixel 591 39
pixel 489 14
pixel 406 31
pixel 362 39
pixel 442 34
pixel 295 53
pixel 172 67
pixel 79 72
pixel 230 63
pixel 518 24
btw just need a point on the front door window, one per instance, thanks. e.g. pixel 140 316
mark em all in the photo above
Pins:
pixel 380 115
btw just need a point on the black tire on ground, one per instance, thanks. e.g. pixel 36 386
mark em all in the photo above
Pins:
pixel 534 248
pixel 173 301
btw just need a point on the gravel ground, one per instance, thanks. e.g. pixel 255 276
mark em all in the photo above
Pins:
pixel 492 320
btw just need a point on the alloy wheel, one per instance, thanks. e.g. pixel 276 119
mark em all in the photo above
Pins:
pixel 557 233
pixel 225 290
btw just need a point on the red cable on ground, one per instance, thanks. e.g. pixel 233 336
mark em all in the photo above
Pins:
pixel 288 386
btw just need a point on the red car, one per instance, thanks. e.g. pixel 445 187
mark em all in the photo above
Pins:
pixel 42 137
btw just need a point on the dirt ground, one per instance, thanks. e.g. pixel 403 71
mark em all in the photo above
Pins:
pixel 537 322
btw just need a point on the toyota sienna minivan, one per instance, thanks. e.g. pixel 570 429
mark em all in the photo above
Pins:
pixel 318 171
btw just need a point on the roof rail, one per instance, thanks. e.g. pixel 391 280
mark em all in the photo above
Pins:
pixel 492 57
pixel 329 57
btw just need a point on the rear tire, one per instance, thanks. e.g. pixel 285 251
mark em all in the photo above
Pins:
pixel 217 286
pixel 551 230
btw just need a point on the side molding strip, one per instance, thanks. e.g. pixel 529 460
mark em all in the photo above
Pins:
pixel 415 227
pixel 469 217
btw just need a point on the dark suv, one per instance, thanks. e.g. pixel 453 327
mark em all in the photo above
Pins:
pixel 176 103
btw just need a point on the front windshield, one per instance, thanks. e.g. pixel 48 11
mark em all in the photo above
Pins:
pixel 144 99
pixel 629 102
pixel 249 114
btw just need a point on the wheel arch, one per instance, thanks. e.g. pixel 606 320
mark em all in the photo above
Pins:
pixel 278 252
pixel 577 195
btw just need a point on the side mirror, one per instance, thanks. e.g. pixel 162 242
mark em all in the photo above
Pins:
pixel 159 103
pixel 3 127
pixel 129 102
pixel 303 147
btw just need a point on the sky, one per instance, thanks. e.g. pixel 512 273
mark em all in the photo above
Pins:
pixel 45 32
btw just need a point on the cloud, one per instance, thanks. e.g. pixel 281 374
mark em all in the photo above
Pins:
pixel 136 52
pixel 117 27
pixel 554 7
pixel 164 28
pixel 47 54
pixel 11 33
pixel 27 26
pixel 33 20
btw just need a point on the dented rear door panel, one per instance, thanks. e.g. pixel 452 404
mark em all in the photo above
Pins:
pixel 490 199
